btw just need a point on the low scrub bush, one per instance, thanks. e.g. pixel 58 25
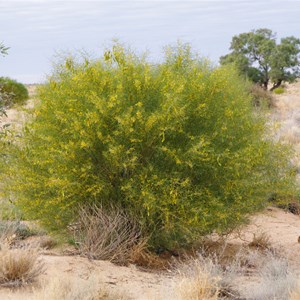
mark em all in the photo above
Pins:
pixel 15 92
pixel 260 97
pixel 13 231
pixel 176 145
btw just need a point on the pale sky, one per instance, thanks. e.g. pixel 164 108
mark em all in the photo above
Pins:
pixel 36 30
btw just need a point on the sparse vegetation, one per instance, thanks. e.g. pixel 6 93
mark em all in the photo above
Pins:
pixel 204 277
pixel 276 280
pixel 261 241
pixel 47 242
pixel 261 97
pixel 12 231
pixel 66 289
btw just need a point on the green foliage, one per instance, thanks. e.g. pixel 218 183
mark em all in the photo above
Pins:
pixel 280 90
pixel 176 145
pixel 257 56
pixel 16 92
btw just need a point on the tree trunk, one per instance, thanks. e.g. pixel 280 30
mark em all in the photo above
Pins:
pixel 276 85
pixel 265 85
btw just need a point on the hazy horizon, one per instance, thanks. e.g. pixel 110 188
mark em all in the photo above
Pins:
pixel 36 30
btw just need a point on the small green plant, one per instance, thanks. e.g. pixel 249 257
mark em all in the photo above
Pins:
pixel 280 90
pixel 176 145
pixel 16 92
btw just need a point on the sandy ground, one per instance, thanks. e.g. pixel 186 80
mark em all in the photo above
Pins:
pixel 282 227
pixel 126 281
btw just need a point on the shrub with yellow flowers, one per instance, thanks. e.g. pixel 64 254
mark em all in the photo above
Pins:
pixel 176 145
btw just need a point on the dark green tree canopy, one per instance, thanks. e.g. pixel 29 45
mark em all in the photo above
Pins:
pixel 261 59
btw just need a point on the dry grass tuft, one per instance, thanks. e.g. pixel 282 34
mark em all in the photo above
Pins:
pixel 225 252
pixel 261 241
pixel 79 289
pixel 106 234
pixel 19 266
pixel 205 278
pixel 47 242
pixel 201 286
pixel 142 257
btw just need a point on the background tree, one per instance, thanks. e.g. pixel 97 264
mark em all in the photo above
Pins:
pixel 11 91
pixel 261 59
